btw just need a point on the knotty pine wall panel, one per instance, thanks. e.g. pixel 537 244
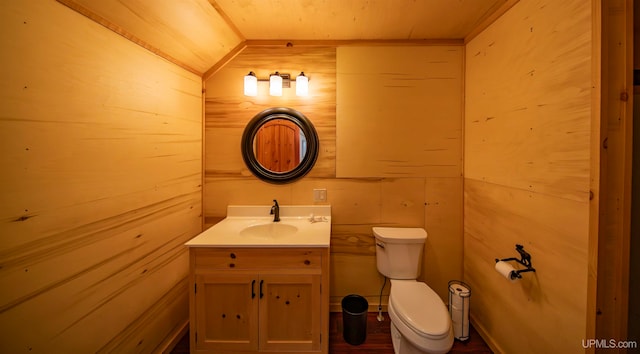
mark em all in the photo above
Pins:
pixel 101 186
pixel 191 34
pixel 358 203
pixel 443 222
pixel 613 242
pixel 527 174
pixel 393 94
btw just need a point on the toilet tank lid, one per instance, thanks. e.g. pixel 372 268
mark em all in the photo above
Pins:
pixel 400 234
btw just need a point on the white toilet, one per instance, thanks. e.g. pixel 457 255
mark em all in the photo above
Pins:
pixel 420 321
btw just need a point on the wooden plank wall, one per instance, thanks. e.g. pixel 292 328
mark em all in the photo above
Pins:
pixel 407 94
pixel 359 200
pixel 527 174
pixel 100 187
pixel 188 33
pixel 634 262
pixel 615 173
pixel 399 118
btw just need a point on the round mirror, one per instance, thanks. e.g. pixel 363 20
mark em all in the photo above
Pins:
pixel 279 145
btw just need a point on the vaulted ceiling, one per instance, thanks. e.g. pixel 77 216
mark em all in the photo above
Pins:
pixel 199 34
pixel 355 19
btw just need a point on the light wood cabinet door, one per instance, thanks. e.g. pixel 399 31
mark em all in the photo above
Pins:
pixel 256 300
pixel 290 313
pixel 227 306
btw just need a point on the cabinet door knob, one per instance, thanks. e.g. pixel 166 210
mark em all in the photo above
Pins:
pixel 231 265
pixel 253 292
pixel 307 262
pixel 232 255
pixel 261 294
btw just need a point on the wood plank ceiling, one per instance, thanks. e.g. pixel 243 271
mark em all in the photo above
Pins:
pixel 356 19
pixel 198 34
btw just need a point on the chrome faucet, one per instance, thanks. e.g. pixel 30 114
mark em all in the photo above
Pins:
pixel 275 211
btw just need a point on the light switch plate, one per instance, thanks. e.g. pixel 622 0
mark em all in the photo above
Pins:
pixel 320 195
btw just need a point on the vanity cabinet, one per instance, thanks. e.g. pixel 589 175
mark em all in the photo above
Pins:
pixel 259 300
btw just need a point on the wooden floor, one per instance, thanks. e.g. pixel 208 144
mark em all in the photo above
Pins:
pixel 378 339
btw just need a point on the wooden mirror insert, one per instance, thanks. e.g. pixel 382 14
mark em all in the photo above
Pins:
pixel 279 145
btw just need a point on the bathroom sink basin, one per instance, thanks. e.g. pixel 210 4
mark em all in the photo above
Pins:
pixel 271 229
pixel 253 226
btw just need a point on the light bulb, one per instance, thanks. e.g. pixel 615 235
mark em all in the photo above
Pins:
pixel 250 84
pixel 302 85
pixel 275 85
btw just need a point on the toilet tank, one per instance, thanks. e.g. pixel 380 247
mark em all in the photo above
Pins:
pixel 399 251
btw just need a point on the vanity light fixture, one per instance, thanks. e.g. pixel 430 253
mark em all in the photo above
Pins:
pixel 302 85
pixel 250 84
pixel 277 82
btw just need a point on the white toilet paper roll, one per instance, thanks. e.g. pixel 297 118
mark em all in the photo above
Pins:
pixel 505 269
pixel 460 322
pixel 459 293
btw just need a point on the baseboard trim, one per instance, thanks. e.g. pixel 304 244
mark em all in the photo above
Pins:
pixel 372 308
pixel 173 338
pixel 335 303
pixel 485 335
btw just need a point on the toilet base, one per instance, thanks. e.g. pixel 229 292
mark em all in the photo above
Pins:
pixel 402 346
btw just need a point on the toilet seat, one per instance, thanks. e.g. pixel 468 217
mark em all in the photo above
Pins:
pixel 420 308
pixel 420 315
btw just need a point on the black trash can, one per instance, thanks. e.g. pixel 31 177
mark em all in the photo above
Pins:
pixel 354 319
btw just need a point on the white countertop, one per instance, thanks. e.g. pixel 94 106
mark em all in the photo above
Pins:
pixel 228 232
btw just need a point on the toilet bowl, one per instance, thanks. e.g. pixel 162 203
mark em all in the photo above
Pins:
pixel 420 322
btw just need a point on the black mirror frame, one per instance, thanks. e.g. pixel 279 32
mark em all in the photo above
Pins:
pixel 251 130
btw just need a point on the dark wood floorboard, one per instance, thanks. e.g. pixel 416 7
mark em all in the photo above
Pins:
pixel 378 339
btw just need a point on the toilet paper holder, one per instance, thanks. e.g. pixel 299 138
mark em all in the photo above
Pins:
pixel 525 260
